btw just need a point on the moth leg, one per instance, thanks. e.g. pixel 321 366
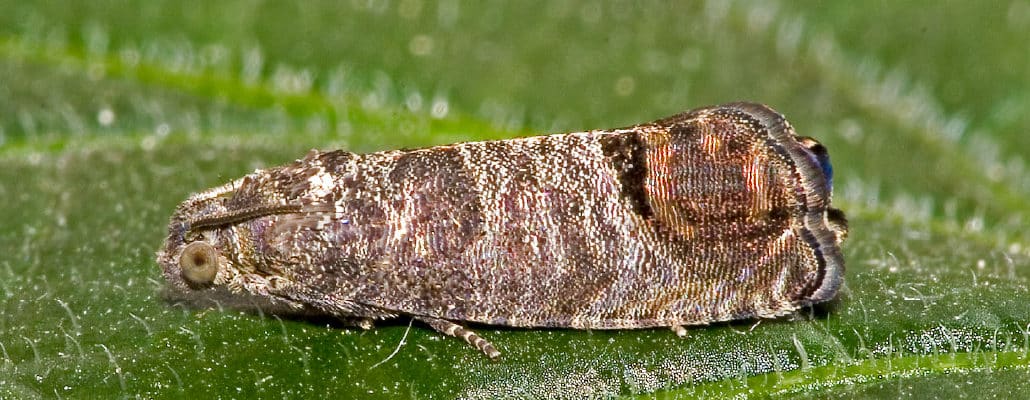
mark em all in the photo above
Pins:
pixel 452 329
pixel 360 322
pixel 680 330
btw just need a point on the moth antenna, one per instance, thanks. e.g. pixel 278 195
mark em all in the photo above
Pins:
pixel 232 217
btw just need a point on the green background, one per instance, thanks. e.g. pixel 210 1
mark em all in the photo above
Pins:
pixel 112 112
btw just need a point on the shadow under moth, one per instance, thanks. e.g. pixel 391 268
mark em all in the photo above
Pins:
pixel 716 214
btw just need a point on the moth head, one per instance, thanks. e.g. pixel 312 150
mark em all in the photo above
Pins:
pixel 209 256
pixel 195 260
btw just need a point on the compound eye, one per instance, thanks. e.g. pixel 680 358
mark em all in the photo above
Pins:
pixel 199 262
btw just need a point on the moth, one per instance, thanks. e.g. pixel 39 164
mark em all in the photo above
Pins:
pixel 716 214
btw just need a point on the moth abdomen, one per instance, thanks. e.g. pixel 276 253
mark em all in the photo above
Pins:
pixel 717 214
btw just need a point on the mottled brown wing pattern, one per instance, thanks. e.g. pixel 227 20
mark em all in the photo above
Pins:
pixel 716 214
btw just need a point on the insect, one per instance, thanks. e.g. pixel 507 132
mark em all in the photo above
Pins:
pixel 715 214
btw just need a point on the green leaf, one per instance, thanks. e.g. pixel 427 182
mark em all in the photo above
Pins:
pixel 111 113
